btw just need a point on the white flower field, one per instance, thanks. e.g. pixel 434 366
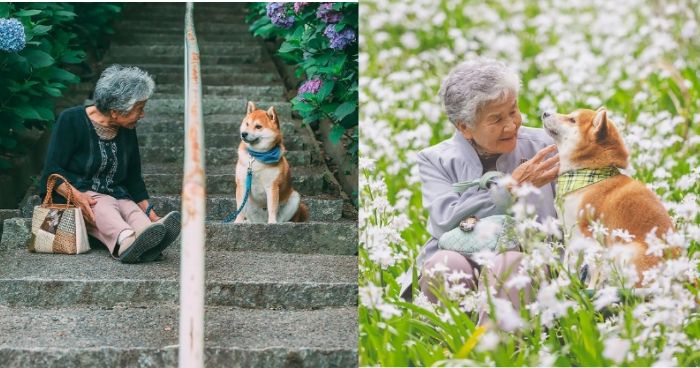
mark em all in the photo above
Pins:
pixel 639 59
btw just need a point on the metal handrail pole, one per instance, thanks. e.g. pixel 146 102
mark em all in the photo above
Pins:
pixel 191 340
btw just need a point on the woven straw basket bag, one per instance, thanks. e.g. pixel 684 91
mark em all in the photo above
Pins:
pixel 58 228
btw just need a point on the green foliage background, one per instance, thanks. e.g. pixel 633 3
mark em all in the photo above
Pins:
pixel 306 47
pixel 59 37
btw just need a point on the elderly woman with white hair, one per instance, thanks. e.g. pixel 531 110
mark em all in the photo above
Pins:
pixel 480 98
pixel 96 149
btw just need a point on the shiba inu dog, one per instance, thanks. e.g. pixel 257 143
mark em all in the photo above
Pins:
pixel 590 187
pixel 272 198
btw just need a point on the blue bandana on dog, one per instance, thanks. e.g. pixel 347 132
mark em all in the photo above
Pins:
pixel 272 156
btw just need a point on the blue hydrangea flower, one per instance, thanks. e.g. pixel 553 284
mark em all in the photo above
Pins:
pixel 12 38
pixel 277 12
pixel 339 40
pixel 326 13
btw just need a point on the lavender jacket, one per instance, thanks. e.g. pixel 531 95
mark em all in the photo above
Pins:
pixel 454 160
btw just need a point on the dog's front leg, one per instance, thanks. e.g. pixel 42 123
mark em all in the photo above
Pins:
pixel 240 191
pixel 273 195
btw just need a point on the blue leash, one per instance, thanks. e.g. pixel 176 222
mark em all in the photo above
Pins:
pixel 248 181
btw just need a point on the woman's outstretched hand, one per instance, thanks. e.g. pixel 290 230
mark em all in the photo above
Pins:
pixel 538 171
pixel 85 202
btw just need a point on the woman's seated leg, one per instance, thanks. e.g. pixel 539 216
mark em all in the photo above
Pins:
pixel 437 270
pixel 108 221
pixel 506 266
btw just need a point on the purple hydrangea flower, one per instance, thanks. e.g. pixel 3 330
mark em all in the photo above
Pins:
pixel 277 12
pixel 12 38
pixel 339 40
pixel 326 13
pixel 298 6
pixel 311 86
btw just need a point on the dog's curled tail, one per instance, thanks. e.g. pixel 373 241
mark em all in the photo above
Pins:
pixel 302 214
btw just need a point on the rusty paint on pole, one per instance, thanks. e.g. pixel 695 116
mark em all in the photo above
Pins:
pixel 191 349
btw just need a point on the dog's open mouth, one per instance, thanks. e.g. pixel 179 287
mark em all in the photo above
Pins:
pixel 250 141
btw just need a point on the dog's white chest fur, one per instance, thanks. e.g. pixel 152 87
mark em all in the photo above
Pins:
pixel 571 207
pixel 263 178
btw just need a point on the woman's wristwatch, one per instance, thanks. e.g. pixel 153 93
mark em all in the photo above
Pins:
pixel 148 210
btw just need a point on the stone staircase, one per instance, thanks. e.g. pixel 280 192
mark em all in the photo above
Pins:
pixel 277 295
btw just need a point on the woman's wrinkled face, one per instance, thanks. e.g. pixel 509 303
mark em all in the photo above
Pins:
pixel 497 124
pixel 129 120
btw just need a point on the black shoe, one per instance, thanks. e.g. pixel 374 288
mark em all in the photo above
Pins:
pixel 171 221
pixel 149 239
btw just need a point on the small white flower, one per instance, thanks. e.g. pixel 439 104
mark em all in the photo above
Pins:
pixel 605 297
pixel 488 341
pixel 622 234
pixel 507 317
pixel 518 281
pixel 616 349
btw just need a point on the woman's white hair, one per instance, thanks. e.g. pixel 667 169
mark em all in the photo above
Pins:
pixel 473 84
pixel 119 88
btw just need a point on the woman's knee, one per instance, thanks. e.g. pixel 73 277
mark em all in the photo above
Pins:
pixel 446 268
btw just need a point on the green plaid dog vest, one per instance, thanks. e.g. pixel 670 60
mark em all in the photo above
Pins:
pixel 576 179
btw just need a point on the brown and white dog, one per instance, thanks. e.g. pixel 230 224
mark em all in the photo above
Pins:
pixel 272 198
pixel 587 139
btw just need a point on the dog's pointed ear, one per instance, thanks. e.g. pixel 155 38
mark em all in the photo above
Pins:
pixel 600 109
pixel 272 114
pixel 250 108
pixel 600 124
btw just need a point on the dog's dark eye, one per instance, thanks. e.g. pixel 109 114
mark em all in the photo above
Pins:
pixel 572 120
pixel 258 126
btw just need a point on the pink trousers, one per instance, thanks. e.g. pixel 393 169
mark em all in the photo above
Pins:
pixel 505 266
pixel 112 216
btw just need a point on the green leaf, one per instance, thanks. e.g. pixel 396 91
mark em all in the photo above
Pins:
pixel 65 13
pixel 46 114
pixel 288 47
pixel 41 29
pixel 303 107
pixel 38 58
pixel 344 109
pixel 5 10
pixel 64 75
pixel 336 133
pixel 325 90
pixel 27 112
pixel 27 13
pixel 53 92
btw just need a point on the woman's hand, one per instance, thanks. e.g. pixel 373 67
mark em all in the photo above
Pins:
pixel 537 170
pixel 85 202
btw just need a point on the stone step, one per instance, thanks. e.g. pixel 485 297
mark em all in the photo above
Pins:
pixel 218 106
pixel 6 214
pixel 241 279
pixel 214 156
pixel 321 208
pixel 177 16
pixel 177 36
pixel 148 337
pixel 215 139
pixel 266 93
pixel 337 238
pixel 166 178
pixel 178 25
pixel 222 49
pixel 157 69
pixel 171 121
pixel 241 59
pixel 223 79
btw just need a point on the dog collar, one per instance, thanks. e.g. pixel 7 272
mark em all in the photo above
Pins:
pixel 576 179
pixel 272 156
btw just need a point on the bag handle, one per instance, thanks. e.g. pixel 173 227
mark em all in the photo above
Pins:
pixel 50 183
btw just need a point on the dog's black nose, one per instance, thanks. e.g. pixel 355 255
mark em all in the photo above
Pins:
pixel 546 114
pixel 244 134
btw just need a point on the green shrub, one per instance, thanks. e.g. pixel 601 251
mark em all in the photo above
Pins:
pixel 321 40
pixel 58 35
